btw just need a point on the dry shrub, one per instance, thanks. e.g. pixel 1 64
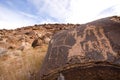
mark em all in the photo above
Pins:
pixel 21 65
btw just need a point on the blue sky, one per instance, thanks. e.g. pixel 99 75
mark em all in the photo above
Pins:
pixel 19 13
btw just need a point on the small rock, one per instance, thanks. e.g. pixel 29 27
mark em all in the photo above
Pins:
pixel 2 51
pixel 36 42
pixel 46 40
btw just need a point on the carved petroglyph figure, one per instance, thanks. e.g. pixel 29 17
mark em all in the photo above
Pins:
pixel 101 44
pixel 90 51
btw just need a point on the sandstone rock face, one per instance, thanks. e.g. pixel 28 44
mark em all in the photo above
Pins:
pixel 88 52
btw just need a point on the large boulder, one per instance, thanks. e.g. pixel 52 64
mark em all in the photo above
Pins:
pixel 88 52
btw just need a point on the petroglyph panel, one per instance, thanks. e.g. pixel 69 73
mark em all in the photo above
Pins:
pixel 93 41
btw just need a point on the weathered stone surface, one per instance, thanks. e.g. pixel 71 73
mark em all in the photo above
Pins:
pixel 89 52
pixel 31 36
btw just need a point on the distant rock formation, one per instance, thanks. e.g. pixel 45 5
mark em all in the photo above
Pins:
pixel 30 36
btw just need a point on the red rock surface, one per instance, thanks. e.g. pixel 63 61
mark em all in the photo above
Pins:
pixel 90 51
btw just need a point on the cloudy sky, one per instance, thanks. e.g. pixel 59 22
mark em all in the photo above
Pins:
pixel 19 13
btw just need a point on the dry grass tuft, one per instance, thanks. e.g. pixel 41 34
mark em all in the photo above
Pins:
pixel 21 65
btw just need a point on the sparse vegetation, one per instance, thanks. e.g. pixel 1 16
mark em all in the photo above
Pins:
pixel 21 65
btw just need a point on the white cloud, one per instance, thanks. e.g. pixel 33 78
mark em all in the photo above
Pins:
pixel 74 11
pixel 117 9
pixel 56 8
pixel 65 11
pixel 11 19
pixel 83 11
pixel 113 10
